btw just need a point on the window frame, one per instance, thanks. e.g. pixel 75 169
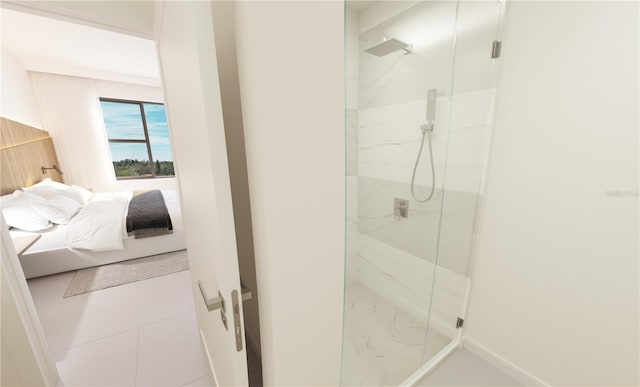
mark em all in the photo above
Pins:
pixel 146 140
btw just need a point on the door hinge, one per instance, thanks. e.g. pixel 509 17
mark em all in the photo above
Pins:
pixel 496 48
pixel 459 323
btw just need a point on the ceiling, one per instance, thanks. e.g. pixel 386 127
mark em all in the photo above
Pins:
pixel 359 6
pixel 52 45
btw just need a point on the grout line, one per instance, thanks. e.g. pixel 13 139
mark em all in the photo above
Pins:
pixel 92 341
pixel 166 318
pixel 121 332
pixel 194 380
pixel 135 381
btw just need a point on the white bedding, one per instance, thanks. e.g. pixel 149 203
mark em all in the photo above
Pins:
pixel 53 253
pixel 99 226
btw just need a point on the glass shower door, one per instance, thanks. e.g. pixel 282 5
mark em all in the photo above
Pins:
pixel 396 52
pixel 419 93
pixel 471 113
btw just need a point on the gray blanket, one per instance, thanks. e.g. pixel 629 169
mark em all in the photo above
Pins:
pixel 148 215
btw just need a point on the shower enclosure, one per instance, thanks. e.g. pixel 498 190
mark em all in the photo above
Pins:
pixel 420 90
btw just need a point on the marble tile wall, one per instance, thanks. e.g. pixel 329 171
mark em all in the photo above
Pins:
pixel 409 283
pixel 418 233
pixel 389 140
pixel 351 84
pixel 386 104
pixel 399 78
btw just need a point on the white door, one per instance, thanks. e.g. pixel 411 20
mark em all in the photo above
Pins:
pixel 186 50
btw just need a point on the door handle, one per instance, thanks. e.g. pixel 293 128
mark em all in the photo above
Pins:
pixel 211 303
pixel 214 304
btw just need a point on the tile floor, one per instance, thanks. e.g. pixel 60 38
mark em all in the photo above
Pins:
pixel 145 334
pixel 463 368
pixel 140 334
pixel 383 345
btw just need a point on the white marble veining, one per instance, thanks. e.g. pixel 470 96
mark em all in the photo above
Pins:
pixel 383 344
pixel 352 141
pixel 419 233
pixel 351 242
pixel 402 272
pixel 389 139
pixel 408 282
pixel 399 78
pixel 351 65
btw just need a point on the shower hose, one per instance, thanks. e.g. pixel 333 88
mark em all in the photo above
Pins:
pixel 426 132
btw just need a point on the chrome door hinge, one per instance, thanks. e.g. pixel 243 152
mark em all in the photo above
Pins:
pixel 459 323
pixel 496 49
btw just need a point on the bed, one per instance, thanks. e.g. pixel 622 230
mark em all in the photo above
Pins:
pixel 66 243
pixel 52 254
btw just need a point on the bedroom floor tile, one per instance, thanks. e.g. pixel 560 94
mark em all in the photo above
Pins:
pixel 107 362
pixel 169 352
pixel 47 317
pixel 102 313
pixel 49 290
pixel 145 331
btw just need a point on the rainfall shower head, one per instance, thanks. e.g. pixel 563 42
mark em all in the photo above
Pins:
pixel 388 46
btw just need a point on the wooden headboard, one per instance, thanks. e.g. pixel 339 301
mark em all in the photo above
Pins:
pixel 24 150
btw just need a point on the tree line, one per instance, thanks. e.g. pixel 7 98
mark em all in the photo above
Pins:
pixel 134 167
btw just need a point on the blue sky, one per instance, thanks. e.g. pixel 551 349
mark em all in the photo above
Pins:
pixel 123 121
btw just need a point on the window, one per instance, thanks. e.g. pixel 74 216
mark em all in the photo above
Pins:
pixel 138 138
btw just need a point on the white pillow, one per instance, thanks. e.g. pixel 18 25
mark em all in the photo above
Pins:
pixel 18 213
pixel 58 210
pixel 78 194
pixel 46 183
pixel 42 192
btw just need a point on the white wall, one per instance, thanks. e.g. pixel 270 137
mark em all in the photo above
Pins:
pixel 70 110
pixel 17 101
pixel 291 68
pixel 556 284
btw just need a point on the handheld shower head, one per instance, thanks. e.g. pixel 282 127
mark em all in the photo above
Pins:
pixel 431 104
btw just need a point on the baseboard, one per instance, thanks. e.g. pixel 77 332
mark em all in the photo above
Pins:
pixel 502 364
pixel 431 365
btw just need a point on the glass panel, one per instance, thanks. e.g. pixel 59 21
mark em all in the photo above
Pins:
pixel 414 170
pixel 122 120
pixel 159 138
pixel 392 224
pixel 474 88
pixel 130 159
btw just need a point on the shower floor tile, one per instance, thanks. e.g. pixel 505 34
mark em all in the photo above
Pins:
pixel 383 345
